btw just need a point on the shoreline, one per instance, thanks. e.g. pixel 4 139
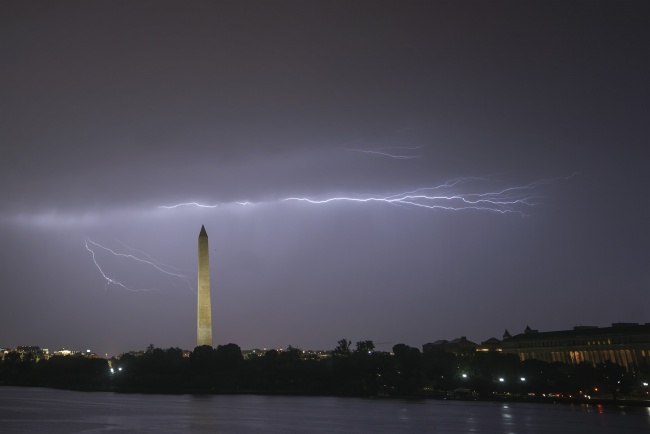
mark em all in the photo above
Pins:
pixel 608 402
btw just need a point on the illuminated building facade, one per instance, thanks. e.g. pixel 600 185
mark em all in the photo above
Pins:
pixel 204 309
pixel 625 344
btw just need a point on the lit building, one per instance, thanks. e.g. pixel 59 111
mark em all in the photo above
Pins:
pixel 626 344
pixel 65 352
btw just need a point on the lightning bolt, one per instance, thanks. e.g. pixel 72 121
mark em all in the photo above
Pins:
pixel 515 199
pixel 150 258
pixel 385 152
pixel 108 279
pixel 508 200
pixel 200 205
pixel 157 265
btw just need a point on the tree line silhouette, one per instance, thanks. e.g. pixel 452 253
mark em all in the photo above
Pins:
pixel 350 371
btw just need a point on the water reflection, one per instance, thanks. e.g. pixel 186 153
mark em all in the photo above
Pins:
pixel 471 424
pixel 54 411
pixel 506 420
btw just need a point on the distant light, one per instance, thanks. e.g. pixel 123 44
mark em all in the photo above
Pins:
pixel 502 379
pixel 119 369
pixel 645 384
pixel 523 378
pixel 464 375
pixel 369 352
pixel 87 351
pixel 112 371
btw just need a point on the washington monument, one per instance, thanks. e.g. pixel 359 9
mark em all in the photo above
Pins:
pixel 204 311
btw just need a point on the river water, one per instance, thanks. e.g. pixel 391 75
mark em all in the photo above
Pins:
pixel 35 410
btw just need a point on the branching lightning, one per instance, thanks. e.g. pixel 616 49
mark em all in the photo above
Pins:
pixel 458 194
pixel 387 152
pixel 447 197
pixel 108 279
pixel 156 265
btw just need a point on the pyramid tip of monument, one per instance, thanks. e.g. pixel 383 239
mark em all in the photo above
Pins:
pixel 203 232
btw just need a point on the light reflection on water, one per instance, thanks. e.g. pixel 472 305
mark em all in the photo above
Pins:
pixel 36 410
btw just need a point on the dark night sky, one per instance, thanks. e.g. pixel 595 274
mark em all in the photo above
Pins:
pixel 110 109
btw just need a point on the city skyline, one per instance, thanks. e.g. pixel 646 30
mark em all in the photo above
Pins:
pixel 622 343
pixel 370 170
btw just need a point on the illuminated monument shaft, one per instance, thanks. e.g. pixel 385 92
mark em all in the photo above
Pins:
pixel 204 310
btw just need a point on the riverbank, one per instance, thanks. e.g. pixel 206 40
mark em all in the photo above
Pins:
pixel 440 395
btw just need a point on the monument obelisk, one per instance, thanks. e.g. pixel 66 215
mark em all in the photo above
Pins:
pixel 204 310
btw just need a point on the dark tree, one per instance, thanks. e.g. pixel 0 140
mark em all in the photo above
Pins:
pixel 407 369
pixel 365 347
pixel 342 349
pixel 228 356
pixel 202 359
pixel 291 354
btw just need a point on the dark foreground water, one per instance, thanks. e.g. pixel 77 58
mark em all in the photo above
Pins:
pixel 34 410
